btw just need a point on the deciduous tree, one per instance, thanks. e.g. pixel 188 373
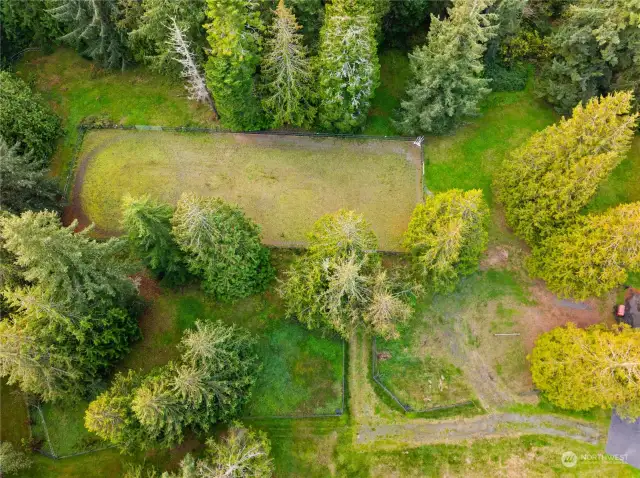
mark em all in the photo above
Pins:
pixel 222 246
pixel 234 34
pixel 286 72
pixel 12 460
pixel 446 236
pixel 580 369
pixel 593 256
pixel 24 182
pixel 348 66
pixel 544 183
pixel 26 120
pixel 447 81
pixel 148 226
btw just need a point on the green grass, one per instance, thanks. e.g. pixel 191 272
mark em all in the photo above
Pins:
pixel 14 418
pixel 394 74
pixel 65 424
pixel 76 88
pixel 285 183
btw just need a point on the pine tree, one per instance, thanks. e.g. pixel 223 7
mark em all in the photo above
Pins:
pixel 195 82
pixel 148 226
pixel 544 183
pixel 595 52
pixel 447 79
pixel 593 256
pixel 310 14
pixel 92 30
pixel 25 183
pixel 73 269
pixel 222 246
pixel 579 369
pixel 234 31
pixel 339 283
pixel 348 66
pixel 446 236
pixel 286 72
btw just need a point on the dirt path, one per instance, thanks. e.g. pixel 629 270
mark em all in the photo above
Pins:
pixel 422 432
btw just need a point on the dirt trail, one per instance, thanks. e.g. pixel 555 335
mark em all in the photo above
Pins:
pixel 422 432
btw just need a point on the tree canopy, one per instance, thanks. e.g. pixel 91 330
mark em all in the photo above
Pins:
pixel 591 257
pixel 579 369
pixel 548 180
pixel 222 246
pixel 446 235
pixel 339 282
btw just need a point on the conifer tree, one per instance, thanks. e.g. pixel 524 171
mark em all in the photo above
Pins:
pixel 24 182
pixel 286 73
pixel 222 246
pixel 446 236
pixel 93 31
pixel 234 34
pixel 595 52
pixel 348 66
pixel 447 81
pixel 593 256
pixel 73 269
pixel 579 369
pixel 310 15
pixel 544 183
pixel 148 226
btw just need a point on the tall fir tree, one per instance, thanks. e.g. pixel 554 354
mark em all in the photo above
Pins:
pixel 222 246
pixel 234 33
pixel 74 269
pixel 447 81
pixel 446 236
pixel 310 15
pixel 593 256
pixel 348 67
pixel 148 227
pixel 544 183
pixel 25 183
pixel 286 72
pixel 595 52
pixel 92 29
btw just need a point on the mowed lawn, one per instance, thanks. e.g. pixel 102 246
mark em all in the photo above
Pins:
pixel 284 183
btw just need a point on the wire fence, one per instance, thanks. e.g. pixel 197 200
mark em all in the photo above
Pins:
pixel 406 407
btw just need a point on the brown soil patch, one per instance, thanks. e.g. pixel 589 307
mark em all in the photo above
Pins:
pixel 148 287
pixel 495 258
pixel 549 313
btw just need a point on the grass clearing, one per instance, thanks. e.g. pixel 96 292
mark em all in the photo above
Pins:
pixel 14 418
pixel 284 183
pixel 77 88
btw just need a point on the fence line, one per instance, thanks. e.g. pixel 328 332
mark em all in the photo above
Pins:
pixel 407 408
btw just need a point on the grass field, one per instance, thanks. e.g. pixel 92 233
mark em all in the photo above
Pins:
pixel 284 183
pixel 76 89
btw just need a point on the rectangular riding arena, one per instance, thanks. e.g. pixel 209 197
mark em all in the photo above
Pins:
pixel 283 182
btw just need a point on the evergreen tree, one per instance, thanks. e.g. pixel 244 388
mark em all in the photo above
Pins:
pixel 544 183
pixel 310 14
pixel 508 17
pixel 579 369
pixel 222 246
pixel 12 460
pixel 339 282
pixel 25 184
pixel 73 269
pixel 92 29
pixel 595 52
pixel 447 79
pixel 446 236
pixel 234 31
pixel 148 226
pixel 348 66
pixel 286 73
pixel 26 120
pixel 403 19
pixel 593 256
pixel 150 39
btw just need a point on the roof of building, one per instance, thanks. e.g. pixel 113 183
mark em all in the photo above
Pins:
pixel 632 308
pixel 624 440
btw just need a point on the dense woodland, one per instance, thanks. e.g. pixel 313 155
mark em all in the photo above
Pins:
pixel 70 301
